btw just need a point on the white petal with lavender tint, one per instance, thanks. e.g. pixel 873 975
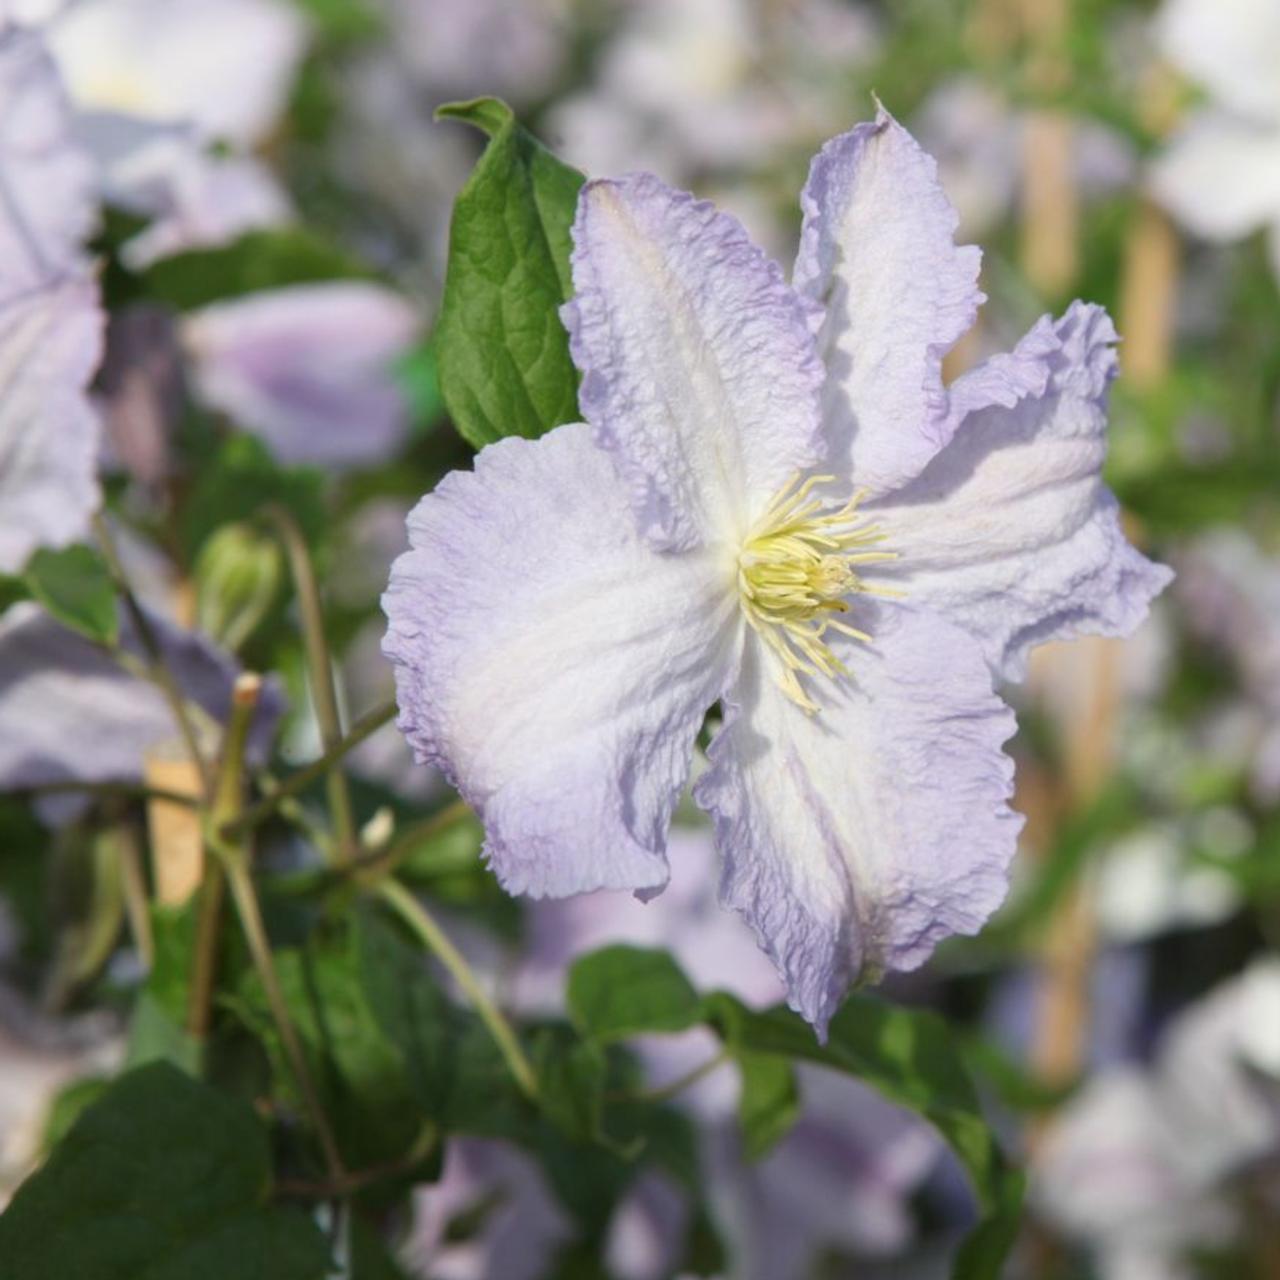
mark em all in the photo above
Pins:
pixel 1220 175
pixel 47 199
pixel 855 839
pixel 699 371
pixel 50 344
pixel 70 713
pixel 1010 531
pixel 878 251
pixel 1232 47
pixel 224 66
pixel 555 666
pixel 309 368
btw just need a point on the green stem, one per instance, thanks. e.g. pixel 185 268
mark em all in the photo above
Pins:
pixel 157 668
pixel 234 856
pixel 416 916
pixel 664 1093
pixel 324 692
pixel 256 814
pixel 128 790
pixel 384 861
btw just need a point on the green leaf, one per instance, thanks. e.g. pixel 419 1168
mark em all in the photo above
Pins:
pixel 74 586
pixel 13 590
pixel 620 991
pixel 571 1079
pixel 260 260
pixel 769 1103
pixel 503 353
pixel 161 1177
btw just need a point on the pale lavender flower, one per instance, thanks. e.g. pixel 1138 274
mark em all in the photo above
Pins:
pixel 50 321
pixel 1220 173
pixel 309 368
pixel 222 66
pixel 195 198
pixel 846 557
pixel 1136 1166
pixel 70 713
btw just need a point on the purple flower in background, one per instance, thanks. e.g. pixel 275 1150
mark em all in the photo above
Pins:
pixel 70 713
pixel 776 505
pixel 1137 1164
pixel 309 368
pixel 50 321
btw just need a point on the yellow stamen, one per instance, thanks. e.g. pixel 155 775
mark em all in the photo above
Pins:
pixel 795 568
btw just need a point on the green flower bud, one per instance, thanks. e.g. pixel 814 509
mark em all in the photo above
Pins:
pixel 237 575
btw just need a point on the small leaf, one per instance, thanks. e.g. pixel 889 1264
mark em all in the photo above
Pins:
pixel 769 1103
pixel 161 1177
pixel 620 991
pixel 270 259
pixel 571 1077
pixel 76 589
pixel 503 354
pixel 13 590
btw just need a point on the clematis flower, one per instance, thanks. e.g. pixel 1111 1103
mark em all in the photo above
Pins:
pixel 50 321
pixel 1220 174
pixel 775 504
pixel 308 368
pixel 1138 1164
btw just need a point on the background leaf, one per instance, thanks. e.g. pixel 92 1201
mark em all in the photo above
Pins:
pixel 74 586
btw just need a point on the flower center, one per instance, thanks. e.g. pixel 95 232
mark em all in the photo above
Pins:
pixel 796 566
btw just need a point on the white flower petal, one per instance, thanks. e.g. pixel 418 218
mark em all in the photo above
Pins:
pixel 554 665
pixel 878 251
pixel 1010 531
pixel 699 370
pixel 309 368
pixel 857 838
pixel 50 344
pixel 1220 175
pixel 1232 47
pixel 48 205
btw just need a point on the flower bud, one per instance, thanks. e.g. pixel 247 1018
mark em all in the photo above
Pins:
pixel 238 575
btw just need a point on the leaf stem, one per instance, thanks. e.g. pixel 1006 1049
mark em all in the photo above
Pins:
pixel 255 814
pixel 235 862
pixel 416 916
pixel 324 692
pixel 157 668
pixel 665 1092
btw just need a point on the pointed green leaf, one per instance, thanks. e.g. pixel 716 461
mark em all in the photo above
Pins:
pixel 74 586
pixel 503 354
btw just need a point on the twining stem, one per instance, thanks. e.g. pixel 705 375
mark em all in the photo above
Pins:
pixel 416 916
pixel 234 857
pixel 324 693
pixel 665 1092
pixel 204 966
pixel 157 668
pixel 255 814
pixel 136 908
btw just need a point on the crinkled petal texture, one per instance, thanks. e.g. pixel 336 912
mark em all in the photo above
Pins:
pixel 699 372
pixel 555 665
pixel 69 713
pixel 1220 174
pixel 856 839
pixel 1010 531
pixel 877 249
pixel 50 344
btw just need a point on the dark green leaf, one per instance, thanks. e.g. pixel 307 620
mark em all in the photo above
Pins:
pixel 74 586
pixel 13 590
pixel 503 353
pixel 260 260
pixel 620 991
pixel 161 1177
pixel 571 1077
